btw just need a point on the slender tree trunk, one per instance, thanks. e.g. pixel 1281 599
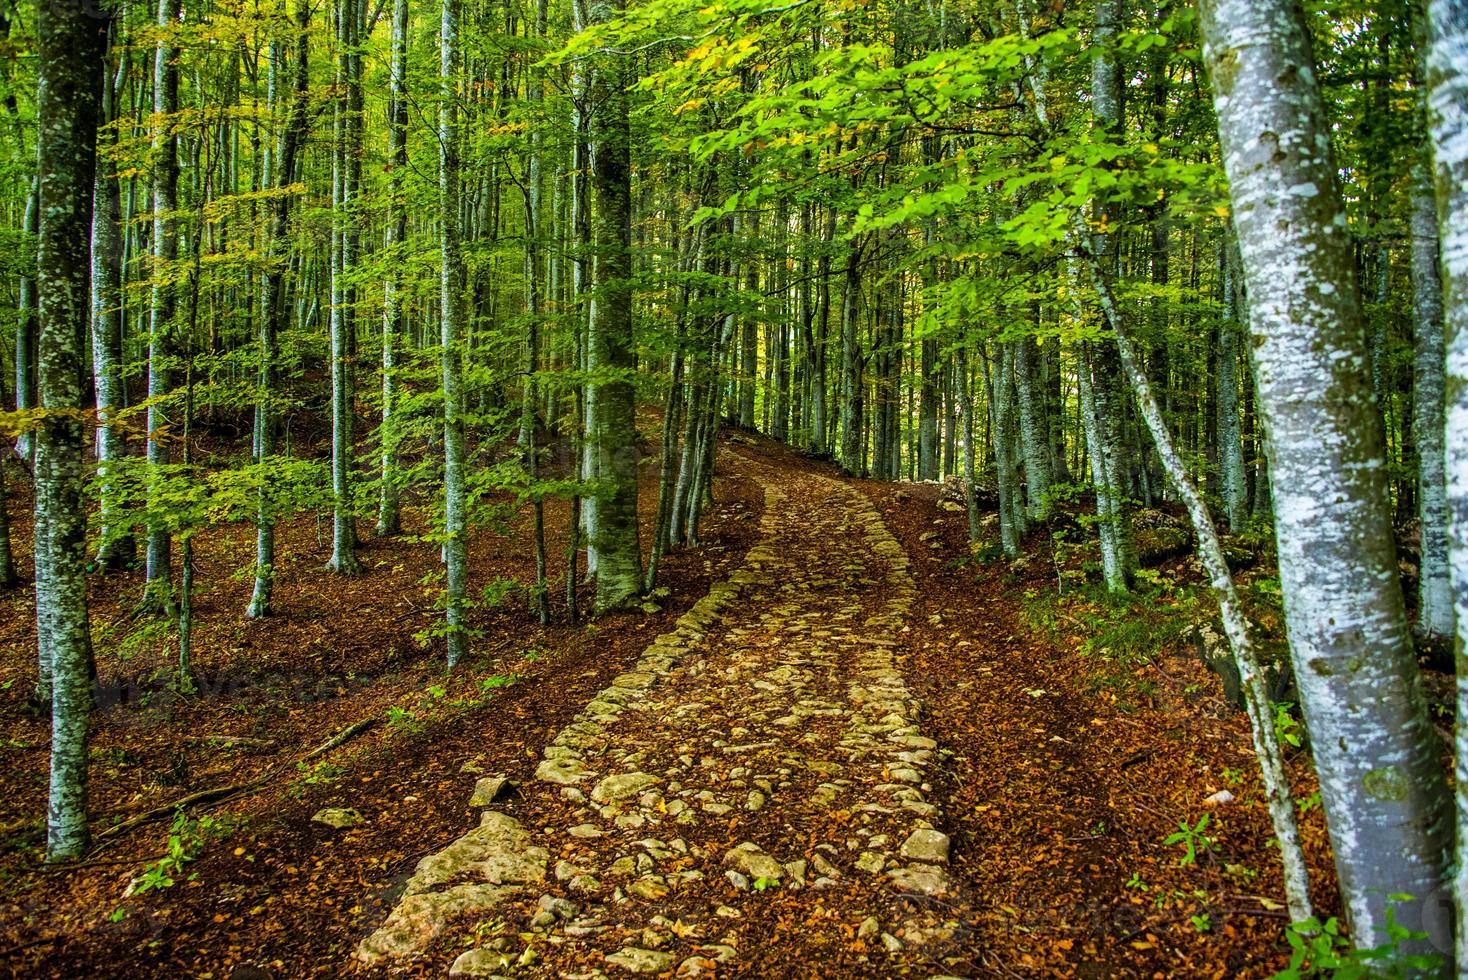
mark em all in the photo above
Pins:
pixel 451 282
pixel 118 549
pixel 611 418
pixel 25 330
pixel 851 373
pixel 72 47
pixel 1435 591
pixel 389 509
pixel 1252 679
pixel 273 307
pixel 966 398
pixel 531 391
pixel 1011 509
pixel 1033 429
pixel 1383 790
pixel 343 321
pixel 1446 86
pixel 928 411
pixel 164 300
pixel 1230 437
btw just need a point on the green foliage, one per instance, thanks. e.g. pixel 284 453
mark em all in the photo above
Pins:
pixel 1321 949
pixel 1191 839
pixel 186 839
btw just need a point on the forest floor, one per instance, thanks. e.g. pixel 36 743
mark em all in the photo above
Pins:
pixel 829 673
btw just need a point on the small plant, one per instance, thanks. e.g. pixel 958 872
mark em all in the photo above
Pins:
pixel 1136 882
pixel 1234 777
pixel 1286 728
pixel 402 719
pixel 497 681
pixel 186 839
pixel 761 884
pixel 1191 839
pixel 321 772
pixel 1320 950
pixel 1201 923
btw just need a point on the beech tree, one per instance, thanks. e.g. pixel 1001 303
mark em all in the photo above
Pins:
pixel 1375 749
pixel 1446 86
pixel 72 46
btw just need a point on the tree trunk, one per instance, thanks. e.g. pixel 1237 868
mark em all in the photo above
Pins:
pixel 389 508
pixel 1446 88
pixel 851 373
pixel 1435 591
pixel 1383 790
pixel 72 49
pixel 1233 479
pixel 1033 429
pixel 117 550
pixel 343 320
pixel 164 301
pixel 928 411
pixel 451 283
pixel 273 307
pixel 611 416
pixel 25 330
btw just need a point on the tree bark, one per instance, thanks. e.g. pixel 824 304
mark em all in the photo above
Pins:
pixel 164 300
pixel 1435 590
pixel 1383 790
pixel 72 46
pixel 451 283
pixel 389 509
pixel 273 308
pixel 117 550
pixel 611 413
pixel 1446 88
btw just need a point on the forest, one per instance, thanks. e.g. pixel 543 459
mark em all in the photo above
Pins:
pixel 749 487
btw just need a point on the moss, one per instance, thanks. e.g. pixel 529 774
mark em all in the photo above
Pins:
pixel 1388 784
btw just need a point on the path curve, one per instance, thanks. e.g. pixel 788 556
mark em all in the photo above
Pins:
pixel 767 750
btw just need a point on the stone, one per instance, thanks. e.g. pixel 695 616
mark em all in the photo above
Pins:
pixel 634 959
pixel 926 845
pixel 921 880
pixel 750 860
pixel 338 818
pixel 560 907
pixel 891 942
pixel 586 831
pixel 869 927
pixel 498 851
pixel 481 962
pixel 755 800
pixel 650 888
pixel 585 883
pixel 488 789
pixel 418 919
pixel 871 862
pixel 564 772
pixel 621 786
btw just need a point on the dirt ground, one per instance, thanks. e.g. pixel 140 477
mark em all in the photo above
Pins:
pixel 1058 795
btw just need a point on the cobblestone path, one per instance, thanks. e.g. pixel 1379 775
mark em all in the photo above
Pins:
pixel 766 751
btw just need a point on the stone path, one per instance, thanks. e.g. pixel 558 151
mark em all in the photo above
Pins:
pixel 769 747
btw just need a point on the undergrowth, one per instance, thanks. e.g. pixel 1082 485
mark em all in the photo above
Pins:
pixel 1118 635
